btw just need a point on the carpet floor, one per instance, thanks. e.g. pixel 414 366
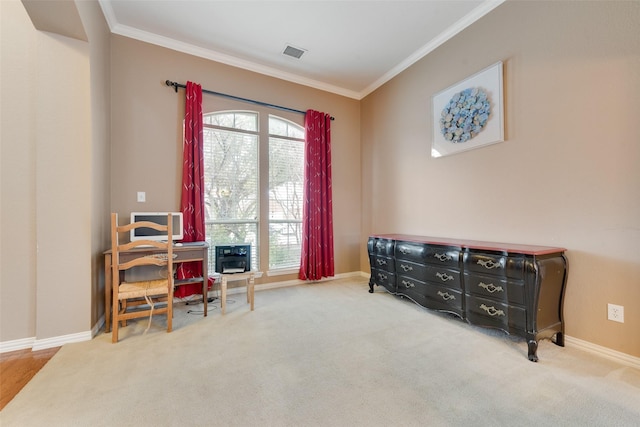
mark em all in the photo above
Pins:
pixel 323 354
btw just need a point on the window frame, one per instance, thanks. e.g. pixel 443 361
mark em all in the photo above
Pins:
pixel 260 254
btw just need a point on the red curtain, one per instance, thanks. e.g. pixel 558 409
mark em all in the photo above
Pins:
pixel 192 202
pixel 317 216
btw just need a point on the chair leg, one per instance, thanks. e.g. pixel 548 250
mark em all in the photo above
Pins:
pixel 123 309
pixel 114 326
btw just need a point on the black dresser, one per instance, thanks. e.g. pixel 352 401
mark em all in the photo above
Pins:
pixel 515 288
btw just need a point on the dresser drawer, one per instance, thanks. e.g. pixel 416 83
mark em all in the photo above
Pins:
pixel 383 263
pixel 494 264
pixel 488 312
pixel 445 256
pixel 431 296
pixel 411 269
pixel 497 288
pixel 409 251
pixel 384 278
pixel 444 277
pixel 378 246
pixel 412 288
pixel 410 285
pixel 441 298
pixel 428 273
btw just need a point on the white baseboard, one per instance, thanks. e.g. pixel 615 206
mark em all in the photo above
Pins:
pixel 296 282
pixel 36 344
pixel 14 345
pixel 61 340
pixel 617 356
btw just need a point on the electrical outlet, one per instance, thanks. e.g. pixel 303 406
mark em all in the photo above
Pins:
pixel 142 196
pixel 615 313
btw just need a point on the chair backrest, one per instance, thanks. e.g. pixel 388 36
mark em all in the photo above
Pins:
pixel 163 250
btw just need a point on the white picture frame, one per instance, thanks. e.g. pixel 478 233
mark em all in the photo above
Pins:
pixel 487 131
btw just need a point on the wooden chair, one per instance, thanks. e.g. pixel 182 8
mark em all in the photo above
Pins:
pixel 130 297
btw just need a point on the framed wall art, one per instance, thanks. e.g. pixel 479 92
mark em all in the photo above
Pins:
pixel 469 114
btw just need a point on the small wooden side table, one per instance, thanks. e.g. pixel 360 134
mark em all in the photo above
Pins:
pixel 249 276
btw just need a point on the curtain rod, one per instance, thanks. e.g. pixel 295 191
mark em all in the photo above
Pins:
pixel 176 85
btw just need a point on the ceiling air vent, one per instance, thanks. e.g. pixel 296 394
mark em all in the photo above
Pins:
pixel 293 51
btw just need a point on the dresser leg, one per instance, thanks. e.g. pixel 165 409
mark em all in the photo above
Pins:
pixel 559 339
pixel 533 348
pixel 370 287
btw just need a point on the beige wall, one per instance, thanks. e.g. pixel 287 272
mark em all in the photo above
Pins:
pixel 62 161
pixel 568 173
pixel 18 202
pixel 147 132
pixel 51 179
pixel 100 147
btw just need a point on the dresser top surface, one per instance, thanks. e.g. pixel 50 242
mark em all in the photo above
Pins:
pixel 474 244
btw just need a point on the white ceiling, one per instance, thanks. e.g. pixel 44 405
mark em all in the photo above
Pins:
pixel 352 47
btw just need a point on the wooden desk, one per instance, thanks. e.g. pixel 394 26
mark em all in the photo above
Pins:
pixel 196 251
pixel 249 276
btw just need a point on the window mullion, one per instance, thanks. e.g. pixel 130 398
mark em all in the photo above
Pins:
pixel 263 226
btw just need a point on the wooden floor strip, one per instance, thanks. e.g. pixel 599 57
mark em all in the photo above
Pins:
pixel 17 368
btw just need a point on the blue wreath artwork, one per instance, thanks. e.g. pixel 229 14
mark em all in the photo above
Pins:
pixel 465 115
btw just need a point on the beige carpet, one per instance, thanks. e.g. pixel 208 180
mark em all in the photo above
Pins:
pixel 325 354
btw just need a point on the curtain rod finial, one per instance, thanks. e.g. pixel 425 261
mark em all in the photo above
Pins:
pixel 174 84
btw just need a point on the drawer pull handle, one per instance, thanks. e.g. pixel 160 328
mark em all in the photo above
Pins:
pixel 406 267
pixel 446 295
pixel 442 257
pixel 381 261
pixel 408 284
pixel 379 245
pixel 492 311
pixel 491 288
pixel 405 251
pixel 444 277
pixel 382 276
pixel 489 264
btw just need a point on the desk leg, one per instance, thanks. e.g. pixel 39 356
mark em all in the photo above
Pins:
pixel 223 294
pixel 205 278
pixel 107 293
pixel 251 290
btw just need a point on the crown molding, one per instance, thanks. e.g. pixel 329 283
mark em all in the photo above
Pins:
pixel 442 38
pixel 233 61
pixel 126 31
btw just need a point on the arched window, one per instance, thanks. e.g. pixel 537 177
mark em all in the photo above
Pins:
pixel 234 193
